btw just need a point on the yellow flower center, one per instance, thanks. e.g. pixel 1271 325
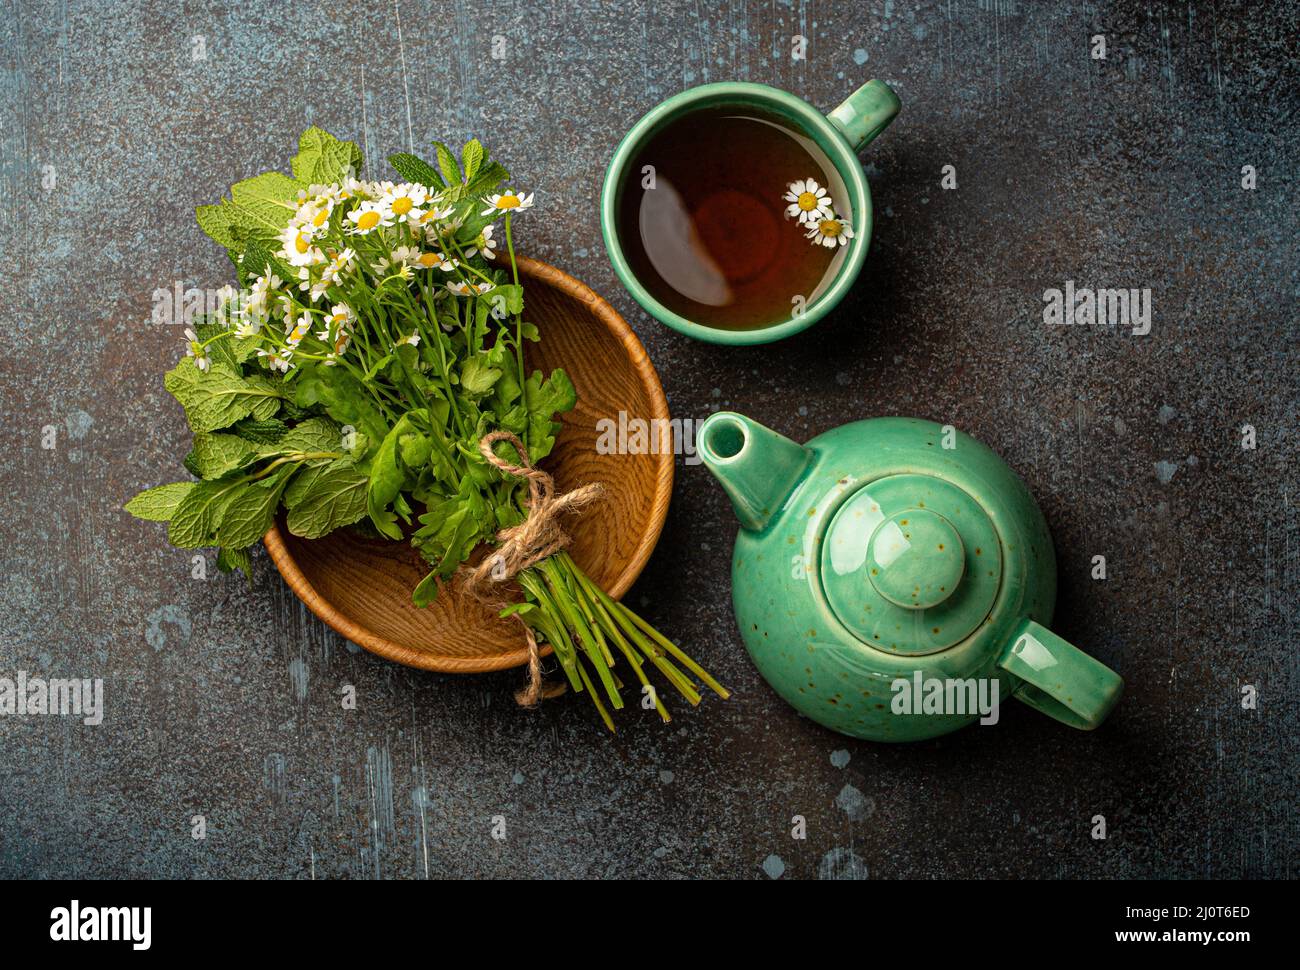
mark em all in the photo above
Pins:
pixel 508 202
pixel 401 206
pixel 428 260
pixel 301 243
pixel 368 220
pixel 807 201
pixel 830 227
pixel 321 218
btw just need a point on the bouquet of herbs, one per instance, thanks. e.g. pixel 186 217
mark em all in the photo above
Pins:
pixel 368 371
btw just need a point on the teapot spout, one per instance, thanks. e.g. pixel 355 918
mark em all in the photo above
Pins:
pixel 757 467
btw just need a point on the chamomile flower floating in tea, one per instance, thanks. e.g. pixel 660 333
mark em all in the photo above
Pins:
pixel 377 306
pixel 809 201
pixel 713 235
pixel 830 232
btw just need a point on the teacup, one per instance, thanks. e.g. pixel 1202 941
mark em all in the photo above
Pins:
pixel 834 139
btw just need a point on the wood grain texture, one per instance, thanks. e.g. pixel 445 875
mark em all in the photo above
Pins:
pixel 362 587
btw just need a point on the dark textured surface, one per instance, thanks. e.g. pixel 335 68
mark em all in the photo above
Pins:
pixel 225 702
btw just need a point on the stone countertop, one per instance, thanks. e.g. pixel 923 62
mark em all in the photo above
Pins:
pixel 224 701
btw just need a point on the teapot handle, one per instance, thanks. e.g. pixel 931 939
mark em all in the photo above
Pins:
pixel 1058 678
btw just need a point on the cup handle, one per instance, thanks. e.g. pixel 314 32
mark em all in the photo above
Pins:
pixel 1059 679
pixel 866 113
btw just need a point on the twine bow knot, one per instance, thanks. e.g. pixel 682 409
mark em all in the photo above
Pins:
pixel 520 546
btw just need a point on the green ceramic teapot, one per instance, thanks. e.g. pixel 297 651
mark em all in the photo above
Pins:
pixel 892 579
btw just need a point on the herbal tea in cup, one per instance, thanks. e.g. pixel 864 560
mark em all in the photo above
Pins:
pixel 733 218
pixel 737 213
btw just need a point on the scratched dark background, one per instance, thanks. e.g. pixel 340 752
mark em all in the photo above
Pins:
pixel 225 702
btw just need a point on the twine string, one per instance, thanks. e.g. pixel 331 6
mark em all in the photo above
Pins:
pixel 524 545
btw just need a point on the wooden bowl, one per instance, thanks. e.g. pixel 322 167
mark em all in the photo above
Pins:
pixel 362 587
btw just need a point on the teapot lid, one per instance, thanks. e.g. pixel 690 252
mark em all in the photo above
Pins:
pixel 911 564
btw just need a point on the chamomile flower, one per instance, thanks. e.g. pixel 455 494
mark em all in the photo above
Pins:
pixel 349 188
pixel 316 192
pixel 247 328
pixel 315 214
pixel 296 246
pixel 399 259
pixel 196 350
pixel 404 201
pixel 339 264
pixel 284 306
pixel 339 340
pixel 434 214
pixel 507 201
pixel 369 216
pixel 809 201
pixel 277 358
pixel 437 260
pixel 460 288
pixel 340 317
pixel 484 244
pixel 299 329
pixel 227 301
pixel 442 231
pixel 314 288
pixel 260 295
pixel 830 232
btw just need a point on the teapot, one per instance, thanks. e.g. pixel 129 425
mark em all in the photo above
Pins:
pixel 892 575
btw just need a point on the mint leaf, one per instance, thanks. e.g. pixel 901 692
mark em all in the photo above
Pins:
pixel 219 222
pixel 416 170
pixel 214 455
pixel 489 177
pixel 247 514
pixel 197 515
pixel 217 398
pixel 323 159
pixel 222 350
pixel 314 434
pixel 256 432
pixel 472 156
pixel 325 498
pixel 447 162
pixel 267 201
pixel 228 560
pixel 158 504
pixel 259 260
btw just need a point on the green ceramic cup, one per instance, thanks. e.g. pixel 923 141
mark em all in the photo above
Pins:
pixel 841 135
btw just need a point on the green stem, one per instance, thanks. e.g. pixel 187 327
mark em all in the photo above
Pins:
pixel 519 327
